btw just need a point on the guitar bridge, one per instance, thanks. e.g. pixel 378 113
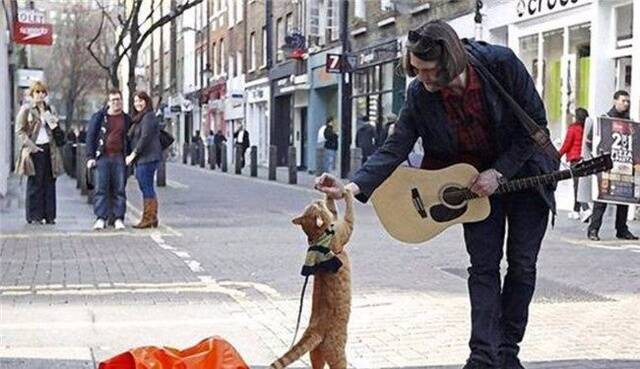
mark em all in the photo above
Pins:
pixel 417 202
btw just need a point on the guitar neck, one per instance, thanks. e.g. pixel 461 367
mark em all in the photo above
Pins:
pixel 525 183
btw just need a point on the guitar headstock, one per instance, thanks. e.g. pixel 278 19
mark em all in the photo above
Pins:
pixel 598 164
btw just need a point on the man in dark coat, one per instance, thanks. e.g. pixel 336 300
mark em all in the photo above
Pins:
pixel 241 138
pixel 107 146
pixel 461 118
pixel 366 138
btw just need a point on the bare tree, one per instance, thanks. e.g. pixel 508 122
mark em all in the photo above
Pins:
pixel 72 71
pixel 132 27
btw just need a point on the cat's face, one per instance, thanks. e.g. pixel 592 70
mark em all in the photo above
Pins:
pixel 315 218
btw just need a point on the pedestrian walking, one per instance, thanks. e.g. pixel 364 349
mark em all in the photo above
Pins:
pixel 107 146
pixel 330 146
pixel 241 138
pixel 468 121
pixel 572 148
pixel 620 109
pixel 218 139
pixel 40 157
pixel 146 153
pixel 366 138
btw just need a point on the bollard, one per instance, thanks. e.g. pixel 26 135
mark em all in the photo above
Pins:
pixel 185 152
pixel 254 161
pixel 319 161
pixel 223 157
pixel 161 176
pixel 193 149
pixel 356 160
pixel 293 170
pixel 83 173
pixel 238 161
pixel 201 158
pixel 212 157
pixel 78 165
pixel 273 157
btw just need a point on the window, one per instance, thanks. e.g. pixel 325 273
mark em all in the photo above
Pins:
pixel 222 64
pixel 240 11
pixel 231 10
pixel 387 5
pixel 239 62
pixel 323 21
pixel 252 51
pixel 624 26
pixel 232 64
pixel 332 20
pixel 288 25
pixel 264 47
pixel 279 38
pixel 360 9
pixel 216 61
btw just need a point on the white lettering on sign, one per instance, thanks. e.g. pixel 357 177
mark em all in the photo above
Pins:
pixel 30 16
pixel 532 8
pixel 333 63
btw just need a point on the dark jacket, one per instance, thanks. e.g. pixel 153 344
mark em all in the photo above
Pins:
pixel 145 139
pixel 423 115
pixel 331 139
pixel 97 134
pixel 245 139
pixel 366 139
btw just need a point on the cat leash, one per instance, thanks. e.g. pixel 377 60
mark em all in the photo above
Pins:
pixel 304 287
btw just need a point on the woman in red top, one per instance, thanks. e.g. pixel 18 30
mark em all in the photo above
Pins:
pixel 572 147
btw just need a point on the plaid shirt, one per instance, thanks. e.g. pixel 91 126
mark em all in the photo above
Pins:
pixel 466 114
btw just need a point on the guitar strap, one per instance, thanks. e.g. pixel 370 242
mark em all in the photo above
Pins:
pixel 538 135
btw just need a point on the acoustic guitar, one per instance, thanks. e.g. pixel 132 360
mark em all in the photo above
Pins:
pixel 415 205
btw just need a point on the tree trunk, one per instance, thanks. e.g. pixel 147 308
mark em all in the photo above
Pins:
pixel 131 84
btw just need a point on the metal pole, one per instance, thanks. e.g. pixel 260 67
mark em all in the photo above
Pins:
pixel 273 157
pixel 254 161
pixel 345 101
pixel 293 170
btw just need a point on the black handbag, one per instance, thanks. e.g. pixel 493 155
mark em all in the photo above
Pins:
pixel 58 136
pixel 165 139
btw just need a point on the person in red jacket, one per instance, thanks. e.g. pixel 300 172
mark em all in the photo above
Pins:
pixel 572 148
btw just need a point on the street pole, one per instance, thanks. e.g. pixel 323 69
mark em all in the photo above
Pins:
pixel 345 88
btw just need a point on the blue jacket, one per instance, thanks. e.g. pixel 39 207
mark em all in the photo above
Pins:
pixel 423 115
pixel 97 133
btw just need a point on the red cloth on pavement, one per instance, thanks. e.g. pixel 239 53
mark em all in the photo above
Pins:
pixel 210 353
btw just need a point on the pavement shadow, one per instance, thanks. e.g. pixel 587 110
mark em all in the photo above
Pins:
pixel 559 364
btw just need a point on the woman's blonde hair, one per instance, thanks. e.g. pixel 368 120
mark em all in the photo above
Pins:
pixel 38 86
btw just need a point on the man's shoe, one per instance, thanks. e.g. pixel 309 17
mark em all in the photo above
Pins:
pixel 626 235
pixel 593 236
pixel 119 224
pixel 472 364
pixel 510 361
pixel 99 224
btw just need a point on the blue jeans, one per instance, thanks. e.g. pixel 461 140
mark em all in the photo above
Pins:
pixel 499 315
pixel 330 160
pixel 110 197
pixel 145 173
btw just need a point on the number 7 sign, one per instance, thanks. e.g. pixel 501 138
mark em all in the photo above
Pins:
pixel 334 63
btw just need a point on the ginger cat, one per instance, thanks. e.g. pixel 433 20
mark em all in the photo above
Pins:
pixel 326 336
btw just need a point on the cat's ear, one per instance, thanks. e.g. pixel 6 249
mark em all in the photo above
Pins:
pixel 297 220
pixel 319 221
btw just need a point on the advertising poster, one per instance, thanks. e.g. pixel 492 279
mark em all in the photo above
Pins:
pixel 621 138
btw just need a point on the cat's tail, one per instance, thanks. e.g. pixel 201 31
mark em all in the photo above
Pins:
pixel 307 343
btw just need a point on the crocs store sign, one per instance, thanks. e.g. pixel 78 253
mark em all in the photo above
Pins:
pixel 532 8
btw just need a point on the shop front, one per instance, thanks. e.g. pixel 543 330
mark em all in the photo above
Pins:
pixel 378 85
pixel 282 102
pixel 323 102
pixel 258 95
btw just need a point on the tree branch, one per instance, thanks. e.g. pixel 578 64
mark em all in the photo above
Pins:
pixel 90 45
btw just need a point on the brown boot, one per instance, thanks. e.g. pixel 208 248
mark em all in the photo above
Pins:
pixel 153 212
pixel 144 218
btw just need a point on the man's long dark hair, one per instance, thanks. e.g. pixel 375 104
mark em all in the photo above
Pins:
pixel 436 41
pixel 148 105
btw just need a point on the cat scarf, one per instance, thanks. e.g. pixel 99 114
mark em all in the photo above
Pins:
pixel 319 255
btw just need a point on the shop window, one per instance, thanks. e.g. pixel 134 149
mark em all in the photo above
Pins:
pixel 579 61
pixel 623 73
pixel 529 54
pixel 624 26
pixel 552 75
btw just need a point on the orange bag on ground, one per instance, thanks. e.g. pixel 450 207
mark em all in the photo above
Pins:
pixel 210 353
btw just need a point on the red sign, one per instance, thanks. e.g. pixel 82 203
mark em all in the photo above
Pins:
pixel 33 33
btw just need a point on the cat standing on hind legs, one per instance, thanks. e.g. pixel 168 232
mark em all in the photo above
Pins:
pixel 326 336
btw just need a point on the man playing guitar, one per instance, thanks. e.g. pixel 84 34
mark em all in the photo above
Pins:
pixel 461 118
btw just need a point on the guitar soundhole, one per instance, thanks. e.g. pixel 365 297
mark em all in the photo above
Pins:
pixel 453 197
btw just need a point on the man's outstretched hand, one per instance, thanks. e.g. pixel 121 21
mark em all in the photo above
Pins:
pixel 333 187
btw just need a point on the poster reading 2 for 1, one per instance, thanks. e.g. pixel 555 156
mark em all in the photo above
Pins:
pixel 621 138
